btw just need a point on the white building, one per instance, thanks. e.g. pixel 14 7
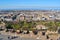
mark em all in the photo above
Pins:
pixel 8 19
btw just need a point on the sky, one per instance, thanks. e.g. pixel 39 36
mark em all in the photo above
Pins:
pixel 29 4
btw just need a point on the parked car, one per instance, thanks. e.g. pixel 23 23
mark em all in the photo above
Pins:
pixel 35 32
pixel 43 33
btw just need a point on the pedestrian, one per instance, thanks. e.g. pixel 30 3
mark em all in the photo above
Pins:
pixel 47 37
pixel 51 39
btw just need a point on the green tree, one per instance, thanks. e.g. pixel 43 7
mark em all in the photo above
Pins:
pixel 16 26
pixel 9 26
pixel 52 26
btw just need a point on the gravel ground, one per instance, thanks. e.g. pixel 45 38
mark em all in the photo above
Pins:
pixel 4 36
